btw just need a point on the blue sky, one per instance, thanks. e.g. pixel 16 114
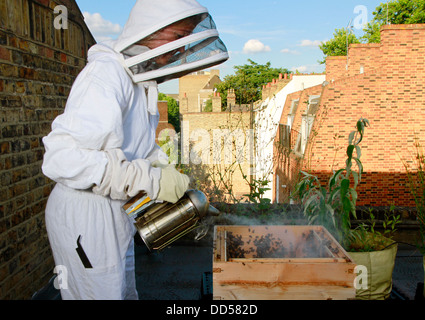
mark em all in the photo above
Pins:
pixel 285 33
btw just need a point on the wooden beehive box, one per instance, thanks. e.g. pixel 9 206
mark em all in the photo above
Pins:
pixel 279 263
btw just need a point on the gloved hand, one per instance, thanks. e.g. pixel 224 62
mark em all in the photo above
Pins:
pixel 172 185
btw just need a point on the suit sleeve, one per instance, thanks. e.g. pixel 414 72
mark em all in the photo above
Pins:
pixel 75 150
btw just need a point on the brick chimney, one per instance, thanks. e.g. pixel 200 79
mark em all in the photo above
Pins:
pixel 282 81
pixel 231 98
pixel 216 102
pixel 264 93
pixel 163 119
pixel 274 86
pixel 184 104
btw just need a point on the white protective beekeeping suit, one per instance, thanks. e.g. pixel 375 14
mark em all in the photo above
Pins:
pixel 101 149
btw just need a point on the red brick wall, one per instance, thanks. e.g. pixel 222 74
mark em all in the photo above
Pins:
pixel 391 95
pixel 303 97
pixel 163 121
pixel 363 57
pixel 335 68
pixel 38 65
pixel 287 165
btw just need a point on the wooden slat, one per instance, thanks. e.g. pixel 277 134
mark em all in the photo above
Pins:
pixel 282 292
pixel 289 260
pixel 251 272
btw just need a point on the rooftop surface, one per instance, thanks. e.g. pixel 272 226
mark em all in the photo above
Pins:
pixel 178 272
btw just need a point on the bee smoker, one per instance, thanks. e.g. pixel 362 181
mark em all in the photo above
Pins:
pixel 160 224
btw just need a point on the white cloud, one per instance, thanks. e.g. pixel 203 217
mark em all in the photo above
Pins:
pixel 100 28
pixel 310 43
pixel 255 46
pixel 301 69
pixel 289 51
pixel 308 68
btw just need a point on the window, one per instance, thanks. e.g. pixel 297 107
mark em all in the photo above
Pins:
pixel 313 105
pixel 307 121
pixel 285 136
pixel 292 112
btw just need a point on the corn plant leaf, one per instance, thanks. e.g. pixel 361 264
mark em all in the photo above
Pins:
pixel 345 184
pixel 346 204
pixel 333 194
pixel 354 196
pixel 358 151
pixel 360 126
pixel 360 165
pixel 330 210
pixel 310 201
pixel 350 150
pixel 334 178
pixel 360 130
pixel 356 179
pixel 351 137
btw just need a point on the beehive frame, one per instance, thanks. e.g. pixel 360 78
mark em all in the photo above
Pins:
pixel 295 262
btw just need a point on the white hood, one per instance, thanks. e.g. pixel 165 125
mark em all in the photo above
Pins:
pixel 203 48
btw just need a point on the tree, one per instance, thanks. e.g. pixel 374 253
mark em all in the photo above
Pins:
pixel 248 80
pixel 372 33
pixel 338 45
pixel 399 12
pixel 173 110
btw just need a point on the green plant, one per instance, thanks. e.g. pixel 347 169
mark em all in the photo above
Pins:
pixel 333 206
pixel 366 237
pixel 256 195
pixel 416 177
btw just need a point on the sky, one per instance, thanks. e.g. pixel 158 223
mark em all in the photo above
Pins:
pixel 286 33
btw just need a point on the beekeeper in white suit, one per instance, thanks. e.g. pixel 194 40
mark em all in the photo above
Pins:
pixel 102 149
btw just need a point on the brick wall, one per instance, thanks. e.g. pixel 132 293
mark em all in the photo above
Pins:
pixel 38 65
pixel 287 164
pixel 164 128
pixel 390 93
pixel 335 68
pixel 363 58
pixel 208 122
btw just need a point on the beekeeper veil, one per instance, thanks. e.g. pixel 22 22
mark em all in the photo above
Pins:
pixel 167 39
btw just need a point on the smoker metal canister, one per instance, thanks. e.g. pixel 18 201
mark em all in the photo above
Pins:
pixel 163 223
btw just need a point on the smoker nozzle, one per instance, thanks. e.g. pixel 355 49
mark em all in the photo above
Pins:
pixel 213 211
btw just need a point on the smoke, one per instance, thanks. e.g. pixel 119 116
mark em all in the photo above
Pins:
pixel 291 216
pixel 233 219
pixel 310 243
pixel 207 224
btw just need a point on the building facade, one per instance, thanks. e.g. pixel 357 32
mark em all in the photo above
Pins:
pixel 384 83
pixel 39 60
pixel 196 89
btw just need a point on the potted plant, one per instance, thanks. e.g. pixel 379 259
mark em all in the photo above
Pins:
pixel 334 206
pixel 416 177
pixel 375 251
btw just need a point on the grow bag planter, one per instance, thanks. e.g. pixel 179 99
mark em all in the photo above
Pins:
pixel 280 263
pixel 379 266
